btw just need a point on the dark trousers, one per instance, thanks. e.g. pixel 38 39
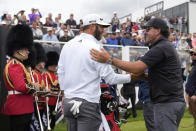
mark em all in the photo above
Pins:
pixel 52 117
pixel 5 122
pixel 167 116
pixel 128 91
pixel 20 122
pixel 88 119
pixel 148 112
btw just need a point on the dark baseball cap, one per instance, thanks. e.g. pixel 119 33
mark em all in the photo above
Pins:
pixel 157 23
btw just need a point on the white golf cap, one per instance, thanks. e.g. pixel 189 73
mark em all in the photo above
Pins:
pixel 49 28
pixel 134 34
pixel 94 19
pixel 117 31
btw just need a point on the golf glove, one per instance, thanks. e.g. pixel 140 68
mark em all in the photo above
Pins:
pixel 75 108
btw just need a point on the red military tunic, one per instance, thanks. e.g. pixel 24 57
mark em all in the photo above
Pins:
pixel 39 77
pixel 17 78
pixel 53 85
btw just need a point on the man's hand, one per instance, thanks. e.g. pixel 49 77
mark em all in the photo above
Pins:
pixel 139 76
pixel 47 44
pixel 37 86
pixel 98 56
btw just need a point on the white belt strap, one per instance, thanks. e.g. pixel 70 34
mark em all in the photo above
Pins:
pixel 14 92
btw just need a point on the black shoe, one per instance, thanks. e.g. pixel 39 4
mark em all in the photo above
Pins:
pixel 123 120
pixel 127 115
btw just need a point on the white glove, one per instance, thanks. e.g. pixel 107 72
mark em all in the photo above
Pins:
pixel 75 107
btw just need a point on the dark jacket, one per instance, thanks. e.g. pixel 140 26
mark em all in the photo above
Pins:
pixel 128 41
pixel 191 83
pixel 65 39
pixel 189 41
pixel 164 72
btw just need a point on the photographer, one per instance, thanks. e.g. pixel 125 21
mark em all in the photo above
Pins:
pixel 32 17
pixel 21 17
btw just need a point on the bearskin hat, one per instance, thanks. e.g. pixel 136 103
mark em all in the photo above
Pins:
pixel 19 37
pixel 52 58
pixel 40 53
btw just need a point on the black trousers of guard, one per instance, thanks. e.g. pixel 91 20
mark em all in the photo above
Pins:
pixel 52 117
pixel 20 122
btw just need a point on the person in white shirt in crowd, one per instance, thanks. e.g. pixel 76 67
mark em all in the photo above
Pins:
pixel 60 32
pixel 179 23
pixel 8 20
pixel 59 17
pixel 183 45
pixel 70 32
pixel 79 77
pixel 37 33
pixel 115 18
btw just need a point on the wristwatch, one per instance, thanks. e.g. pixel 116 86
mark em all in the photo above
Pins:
pixel 110 61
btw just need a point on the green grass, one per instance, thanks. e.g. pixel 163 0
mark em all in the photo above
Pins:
pixel 61 126
pixel 137 124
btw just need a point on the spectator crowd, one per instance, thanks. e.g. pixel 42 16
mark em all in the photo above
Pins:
pixel 128 33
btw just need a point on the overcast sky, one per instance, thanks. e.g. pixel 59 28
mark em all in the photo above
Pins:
pixel 104 8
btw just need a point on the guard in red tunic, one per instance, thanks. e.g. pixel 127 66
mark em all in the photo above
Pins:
pixel 53 84
pixel 38 73
pixel 19 102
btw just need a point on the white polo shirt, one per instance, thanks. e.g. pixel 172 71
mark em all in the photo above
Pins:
pixel 79 75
